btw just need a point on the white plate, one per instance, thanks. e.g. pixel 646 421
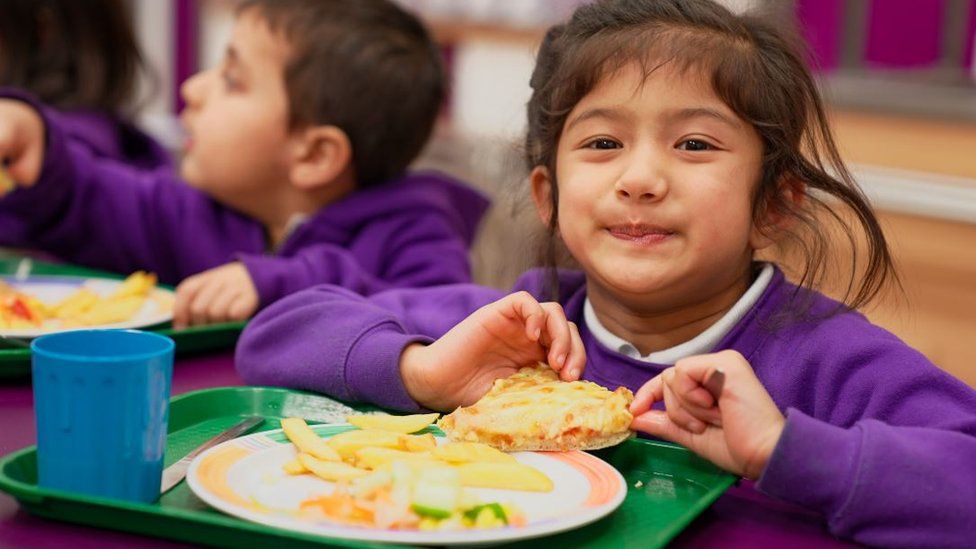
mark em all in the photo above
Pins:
pixel 157 309
pixel 244 477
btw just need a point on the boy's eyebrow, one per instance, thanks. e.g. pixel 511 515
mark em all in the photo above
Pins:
pixel 612 114
pixel 233 58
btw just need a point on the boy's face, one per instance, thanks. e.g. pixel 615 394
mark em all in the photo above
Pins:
pixel 656 179
pixel 236 118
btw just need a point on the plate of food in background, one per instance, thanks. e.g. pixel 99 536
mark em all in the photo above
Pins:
pixel 38 304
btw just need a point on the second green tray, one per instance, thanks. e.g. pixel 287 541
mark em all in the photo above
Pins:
pixel 668 486
pixel 15 362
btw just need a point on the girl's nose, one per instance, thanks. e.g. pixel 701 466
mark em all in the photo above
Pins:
pixel 642 182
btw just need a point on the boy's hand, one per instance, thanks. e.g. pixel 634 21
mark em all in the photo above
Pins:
pixel 21 141
pixel 222 294
pixel 738 433
pixel 494 342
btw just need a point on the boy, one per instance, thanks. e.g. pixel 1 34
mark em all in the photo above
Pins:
pixel 296 148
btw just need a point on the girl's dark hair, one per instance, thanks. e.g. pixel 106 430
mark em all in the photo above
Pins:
pixel 759 72
pixel 71 54
pixel 365 66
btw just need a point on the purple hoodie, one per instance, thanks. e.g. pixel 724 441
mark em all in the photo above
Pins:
pixel 414 231
pixel 878 440
pixel 110 137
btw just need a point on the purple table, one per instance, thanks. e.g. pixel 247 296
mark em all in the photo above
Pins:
pixel 740 518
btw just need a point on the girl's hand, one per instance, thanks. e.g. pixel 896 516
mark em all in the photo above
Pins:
pixel 494 342
pixel 222 294
pixel 21 141
pixel 738 433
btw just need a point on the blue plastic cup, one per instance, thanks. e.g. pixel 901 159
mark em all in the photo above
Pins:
pixel 101 398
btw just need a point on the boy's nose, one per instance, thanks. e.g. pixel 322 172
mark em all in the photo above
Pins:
pixel 192 89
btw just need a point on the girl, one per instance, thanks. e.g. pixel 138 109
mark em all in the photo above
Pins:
pixel 671 141
pixel 81 58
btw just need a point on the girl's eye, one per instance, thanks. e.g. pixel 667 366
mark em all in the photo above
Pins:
pixel 695 145
pixel 603 144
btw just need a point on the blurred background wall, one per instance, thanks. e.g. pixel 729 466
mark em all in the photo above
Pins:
pixel 899 77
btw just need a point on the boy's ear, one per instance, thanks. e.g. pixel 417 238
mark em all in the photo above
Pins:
pixel 778 216
pixel 320 156
pixel 542 192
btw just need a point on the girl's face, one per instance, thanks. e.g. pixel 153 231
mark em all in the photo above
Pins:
pixel 656 178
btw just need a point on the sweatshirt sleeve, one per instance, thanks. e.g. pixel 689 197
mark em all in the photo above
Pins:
pixel 422 251
pixel 105 214
pixel 886 452
pixel 331 340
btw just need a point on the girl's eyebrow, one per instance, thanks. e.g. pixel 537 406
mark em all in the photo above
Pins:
pixel 611 114
pixel 681 115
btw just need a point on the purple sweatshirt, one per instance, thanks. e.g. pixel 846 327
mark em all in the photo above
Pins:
pixel 410 232
pixel 110 137
pixel 878 440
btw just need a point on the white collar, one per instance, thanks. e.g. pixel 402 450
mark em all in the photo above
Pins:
pixel 702 343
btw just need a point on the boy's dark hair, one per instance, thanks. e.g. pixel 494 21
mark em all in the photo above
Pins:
pixel 71 54
pixel 365 66
pixel 758 71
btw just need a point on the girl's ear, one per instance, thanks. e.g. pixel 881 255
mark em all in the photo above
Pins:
pixel 542 192
pixel 778 216
pixel 320 155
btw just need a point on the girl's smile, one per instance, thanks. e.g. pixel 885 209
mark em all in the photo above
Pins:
pixel 640 234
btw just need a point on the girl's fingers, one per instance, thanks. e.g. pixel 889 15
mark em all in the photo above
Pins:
pixel 688 386
pixel 576 361
pixel 658 424
pixel 522 306
pixel 557 335
pixel 647 395
pixel 678 414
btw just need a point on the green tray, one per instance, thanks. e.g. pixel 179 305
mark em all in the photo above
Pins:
pixel 15 361
pixel 675 485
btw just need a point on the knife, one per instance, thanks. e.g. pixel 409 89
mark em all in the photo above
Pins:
pixel 176 472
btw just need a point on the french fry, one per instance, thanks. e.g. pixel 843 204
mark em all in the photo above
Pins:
pixel 419 443
pixel 330 470
pixel 507 476
pixel 112 310
pixel 374 457
pixel 468 452
pixel 294 467
pixel 348 443
pixel 305 439
pixel 395 424
pixel 75 304
pixel 139 283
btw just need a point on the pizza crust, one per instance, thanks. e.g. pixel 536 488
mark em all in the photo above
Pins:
pixel 534 410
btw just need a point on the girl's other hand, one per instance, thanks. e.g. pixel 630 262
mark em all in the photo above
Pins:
pixel 21 141
pixel 493 342
pixel 738 433
pixel 222 294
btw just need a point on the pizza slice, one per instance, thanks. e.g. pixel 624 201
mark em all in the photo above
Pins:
pixel 534 410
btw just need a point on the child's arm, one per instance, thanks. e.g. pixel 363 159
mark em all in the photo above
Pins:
pixel 415 253
pixel 103 214
pixel 901 474
pixel 331 340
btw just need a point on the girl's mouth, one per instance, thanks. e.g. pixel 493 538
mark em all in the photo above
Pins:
pixel 640 234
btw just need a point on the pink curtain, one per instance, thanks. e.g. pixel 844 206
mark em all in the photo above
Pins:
pixel 821 22
pixel 904 33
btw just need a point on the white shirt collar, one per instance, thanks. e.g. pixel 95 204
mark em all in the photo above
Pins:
pixel 702 343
